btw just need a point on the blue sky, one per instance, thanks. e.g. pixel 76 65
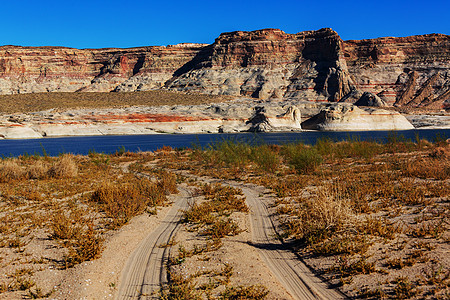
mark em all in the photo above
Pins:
pixel 113 23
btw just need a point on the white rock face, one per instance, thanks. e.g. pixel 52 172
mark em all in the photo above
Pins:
pixel 347 117
pixel 18 132
pixel 241 115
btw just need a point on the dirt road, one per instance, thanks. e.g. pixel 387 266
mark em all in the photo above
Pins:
pixel 145 270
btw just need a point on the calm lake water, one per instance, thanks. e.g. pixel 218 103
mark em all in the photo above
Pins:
pixel 134 143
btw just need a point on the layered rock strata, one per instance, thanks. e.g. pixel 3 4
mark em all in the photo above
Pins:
pixel 270 64
pixel 265 64
pixel 59 69
pixel 406 71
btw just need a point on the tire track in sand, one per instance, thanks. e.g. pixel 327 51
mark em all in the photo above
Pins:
pixel 292 273
pixel 145 270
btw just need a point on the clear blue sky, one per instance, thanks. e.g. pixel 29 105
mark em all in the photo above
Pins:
pixel 113 23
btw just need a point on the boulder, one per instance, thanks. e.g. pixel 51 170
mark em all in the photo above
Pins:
pixel 369 99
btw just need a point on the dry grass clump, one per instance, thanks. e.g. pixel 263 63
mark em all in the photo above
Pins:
pixel 11 170
pixel 76 232
pixel 306 160
pixel 428 167
pixel 87 246
pixel 181 287
pixel 65 226
pixel 346 267
pixel 440 152
pixel 37 170
pixel 256 292
pixel 64 167
pixel 353 147
pixel 327 224
pixel 123 200
pixel 19 280
pixel 221 228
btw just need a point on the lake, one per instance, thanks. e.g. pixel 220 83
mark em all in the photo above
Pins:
pixel 134 143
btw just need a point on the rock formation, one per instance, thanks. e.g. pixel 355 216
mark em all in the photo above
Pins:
pixel 291 74
pixel 347 117
pixel 369 99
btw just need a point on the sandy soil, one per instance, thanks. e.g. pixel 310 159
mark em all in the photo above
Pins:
pixel 99 279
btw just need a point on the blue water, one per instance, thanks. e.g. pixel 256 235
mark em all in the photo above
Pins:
pixel 134 143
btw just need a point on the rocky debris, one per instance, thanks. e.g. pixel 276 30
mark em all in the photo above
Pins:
pixel 347 117
pixel 267 119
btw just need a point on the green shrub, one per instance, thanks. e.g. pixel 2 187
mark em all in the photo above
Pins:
pixel 305 160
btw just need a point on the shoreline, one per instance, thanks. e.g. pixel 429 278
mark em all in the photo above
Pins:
pixel 219 133
pixel 109 144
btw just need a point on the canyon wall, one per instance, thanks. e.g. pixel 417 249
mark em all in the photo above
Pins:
pixel 408 71
pixel 59 69
pixel 312 66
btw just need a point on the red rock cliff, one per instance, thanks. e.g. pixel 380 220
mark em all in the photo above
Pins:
pixel 48 69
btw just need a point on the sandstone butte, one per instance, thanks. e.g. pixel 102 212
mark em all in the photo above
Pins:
pixel 269 65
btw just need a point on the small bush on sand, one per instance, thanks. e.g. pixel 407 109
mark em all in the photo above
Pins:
pixel 266 158
pixel 231 153
pixel 120 202
pixel 168 183
pixel 64 227
pixel 87 246
pixel 181 287
pixel 319 218
pixel 221 228
pixel 124 200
